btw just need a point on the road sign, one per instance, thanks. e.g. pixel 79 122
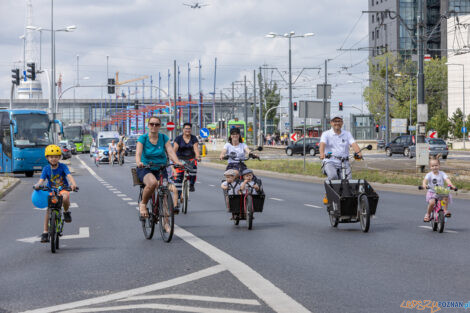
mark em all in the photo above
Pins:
pixel 399 125
pixel 170 126
pixel 294 137
pixel 286 124
pixel 464 130
pixel 383 127
pixel 427 57
pixel 313 109
pixel 411 128
pixel 204 132
pixel 433 134
pixel 320 91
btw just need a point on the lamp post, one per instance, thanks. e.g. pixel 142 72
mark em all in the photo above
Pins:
pixel 23 37
pixel 463 98
pixel 40 30
pixel 289 36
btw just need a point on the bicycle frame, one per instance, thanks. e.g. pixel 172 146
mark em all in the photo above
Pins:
pixel 440 205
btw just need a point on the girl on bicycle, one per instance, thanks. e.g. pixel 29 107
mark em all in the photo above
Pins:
pixel 186 147
pixel 57 175
pixel 431 180
pixel 236 147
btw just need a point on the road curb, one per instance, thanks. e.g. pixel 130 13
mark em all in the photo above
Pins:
pixel 4 192
pixel 408 189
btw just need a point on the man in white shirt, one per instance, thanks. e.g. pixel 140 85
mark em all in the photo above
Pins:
pixel 336 142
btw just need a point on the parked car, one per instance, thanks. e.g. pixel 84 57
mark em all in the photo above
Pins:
pixel 66 150
pixel 400 145
pixel 312 146
pixel 436 146
pixel 131 144
pixel 380 144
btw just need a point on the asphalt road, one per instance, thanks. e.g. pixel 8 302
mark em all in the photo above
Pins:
pixel 292 260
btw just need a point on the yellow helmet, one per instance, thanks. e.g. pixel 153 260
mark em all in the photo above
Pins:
pixel 52 150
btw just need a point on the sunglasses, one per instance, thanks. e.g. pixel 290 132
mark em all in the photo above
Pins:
pixel 155 124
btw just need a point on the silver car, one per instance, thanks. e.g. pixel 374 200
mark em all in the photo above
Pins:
pixel 436 146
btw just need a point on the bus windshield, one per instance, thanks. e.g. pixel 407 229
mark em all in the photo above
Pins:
pixel 32 130
pixel 104 142
pixel 73 133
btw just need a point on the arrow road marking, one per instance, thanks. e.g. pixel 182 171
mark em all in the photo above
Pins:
pixel 446 231
pixel 195 298
pixel 84 232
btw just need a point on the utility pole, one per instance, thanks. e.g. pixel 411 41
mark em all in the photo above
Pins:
pixel 233 99
pixel 291 111
pixel 245 111
pixel 213 95
pixel 189 93
pixel 325 100
pixel 201 118
pixel 255 129
pixel 260 118
pixel 387 108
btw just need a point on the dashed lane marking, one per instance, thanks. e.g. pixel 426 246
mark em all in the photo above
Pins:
pixel 132 203
pixel 445 230
pixel 212 185
pixel 127 199
pixel 121 195
pixel 276 199
pixel 73 205
pixel 313 206
pixel 116 191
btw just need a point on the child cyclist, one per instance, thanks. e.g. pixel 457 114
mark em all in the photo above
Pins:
pixel 57 175
pixel 431 180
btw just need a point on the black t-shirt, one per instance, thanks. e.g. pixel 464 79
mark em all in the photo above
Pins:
pixel 186 150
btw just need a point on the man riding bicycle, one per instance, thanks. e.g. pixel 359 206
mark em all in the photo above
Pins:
pixel 336 142
pixel 152 148
pixel 121 147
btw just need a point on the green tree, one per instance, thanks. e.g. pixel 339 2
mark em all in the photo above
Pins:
pixel 456 124
pixel 440 123
pixel 272 96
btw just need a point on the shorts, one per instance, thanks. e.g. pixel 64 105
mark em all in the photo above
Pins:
pixel 64 192
pixel 431 195
pixel 236 166
pixel 141 172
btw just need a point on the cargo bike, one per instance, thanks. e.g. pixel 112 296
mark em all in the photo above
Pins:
pixel 350 200
pixel 243 206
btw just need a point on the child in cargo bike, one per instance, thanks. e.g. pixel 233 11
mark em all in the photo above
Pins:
pixel 231 185
pixel 253 185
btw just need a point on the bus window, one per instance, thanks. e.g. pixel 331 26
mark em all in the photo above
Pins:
pixel 5 134
pixel 33 130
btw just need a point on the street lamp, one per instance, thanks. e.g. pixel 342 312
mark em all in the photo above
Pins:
pixel 362 100
pixel 23 37
pixel 463 97
pixel 289 36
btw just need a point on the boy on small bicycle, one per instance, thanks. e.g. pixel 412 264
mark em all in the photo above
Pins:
pixel 57 175
pixel 248 182
pixel 431 180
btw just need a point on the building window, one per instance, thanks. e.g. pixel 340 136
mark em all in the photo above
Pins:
pixel 372 18
pixel 373 35
pixel 372 2
pixel 385 27
pixel 377 34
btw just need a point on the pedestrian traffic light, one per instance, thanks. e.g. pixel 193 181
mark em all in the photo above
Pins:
pixel 111 87
pixel 295 106
pixel 16 76
pixel 341 106
pixel 31 71
pixel 376 128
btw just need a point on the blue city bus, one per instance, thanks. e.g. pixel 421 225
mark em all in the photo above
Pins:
pixel 24 135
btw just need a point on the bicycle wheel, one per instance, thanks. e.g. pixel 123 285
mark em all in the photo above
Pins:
pixel 121 160
pixel 440 221
pixel 185 196
pixel 148 224
pixel 433 222
pixel 249 211
pixel 52 230
pixel 334 220
pixel 166 215
pixel 364 212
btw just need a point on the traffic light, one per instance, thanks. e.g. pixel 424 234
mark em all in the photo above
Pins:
pixel 295 106
pixel 16 76
pixel 31 71
pixel 376 128
pixel 111 87
pixel 341 106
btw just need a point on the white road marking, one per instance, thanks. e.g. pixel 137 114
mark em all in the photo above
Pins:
pixel 127 199
pixel 132 203
pixel 134 292
pixel 211 185
pixel 313 206
pixel 260 286
pixel 73 205
pixel 84 232
pixel 122 195
pixel 116 191
pixel 198 182
pixel 43 209
pixel 445 230
pixel 195 298
pixel 276 199
pixel 156 306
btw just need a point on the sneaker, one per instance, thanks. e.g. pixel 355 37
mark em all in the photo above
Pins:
pixel 44 237
pixel 67 217
pixel 191 188
pixel 176 210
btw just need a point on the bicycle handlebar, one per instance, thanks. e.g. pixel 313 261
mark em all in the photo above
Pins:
pixel 250 156
pixel 46 188
pixel 448 187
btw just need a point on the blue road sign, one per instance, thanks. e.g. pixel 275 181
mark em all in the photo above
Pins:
pixel 464 130
pixel 383 127
pixel 204 132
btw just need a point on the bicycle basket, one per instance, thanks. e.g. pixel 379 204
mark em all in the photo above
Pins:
pixel 135 179
pixel 258 202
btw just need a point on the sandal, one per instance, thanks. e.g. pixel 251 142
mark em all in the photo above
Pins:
pixel 143 212
pixel 448 214
pixel 426 218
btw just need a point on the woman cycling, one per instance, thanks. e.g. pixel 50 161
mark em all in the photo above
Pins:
pixel 152 147
pixel 235 149
pixel 186 147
